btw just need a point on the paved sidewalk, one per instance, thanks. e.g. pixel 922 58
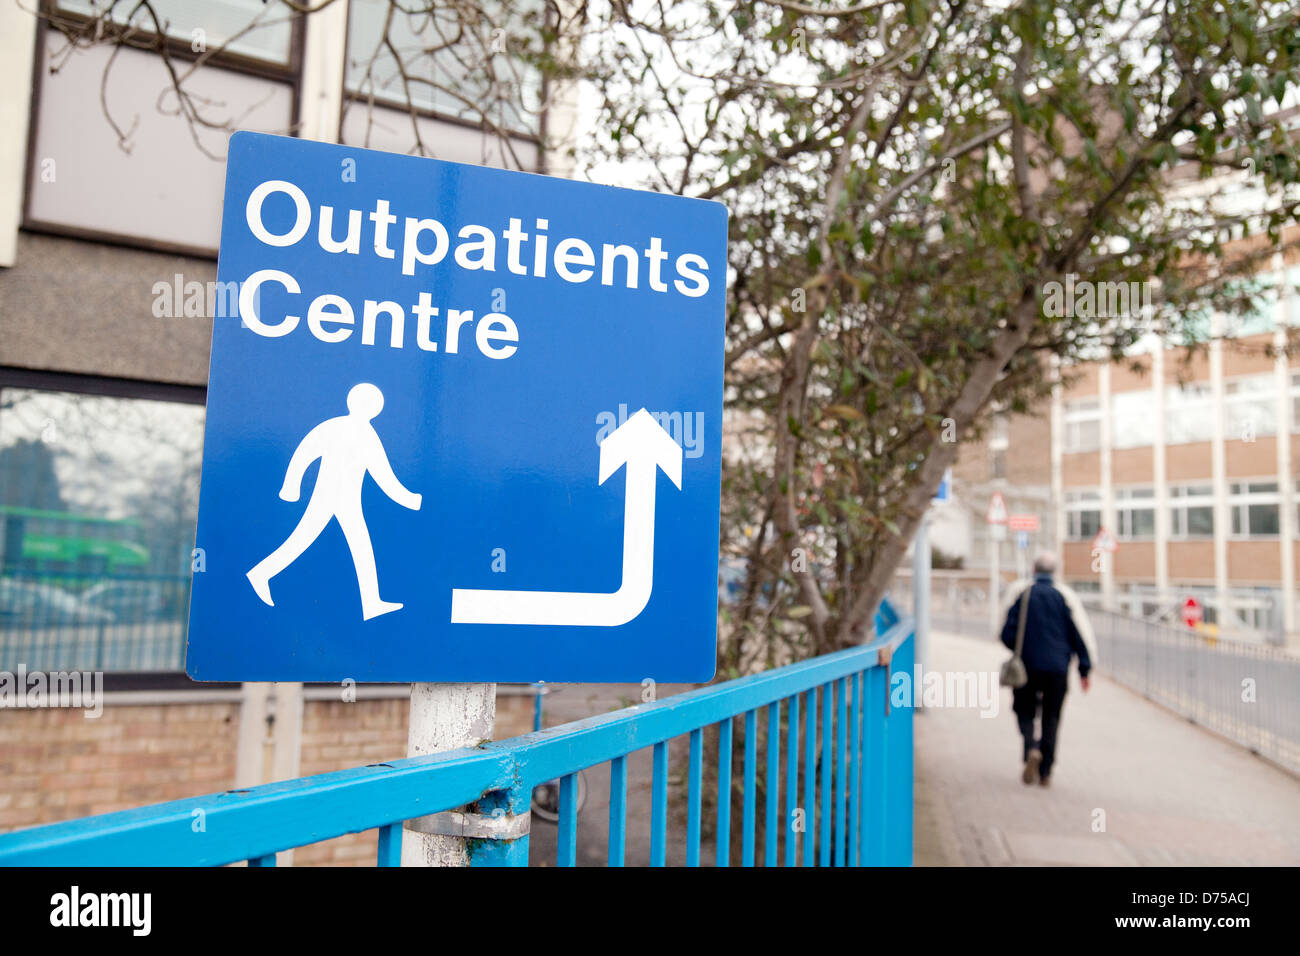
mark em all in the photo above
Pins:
pixel 1134 785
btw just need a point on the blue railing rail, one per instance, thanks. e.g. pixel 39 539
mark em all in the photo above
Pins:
pixel 853 806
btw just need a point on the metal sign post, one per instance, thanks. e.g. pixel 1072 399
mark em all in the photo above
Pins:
pixel 1023 525
pixel 465 427
pixel 997 520
pixel 1103 548
pixel 921 577
pixel 444 717
pixel 921 593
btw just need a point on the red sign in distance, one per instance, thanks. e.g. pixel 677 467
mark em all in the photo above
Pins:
pixel 1023 522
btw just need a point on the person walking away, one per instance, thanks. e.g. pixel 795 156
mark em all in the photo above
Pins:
pixel 1056 630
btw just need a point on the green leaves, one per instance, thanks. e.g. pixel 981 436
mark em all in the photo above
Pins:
pixel 1253 111
pixel 846 412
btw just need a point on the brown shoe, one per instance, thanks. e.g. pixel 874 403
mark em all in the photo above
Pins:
pixel 1031 766
pixel 1044 781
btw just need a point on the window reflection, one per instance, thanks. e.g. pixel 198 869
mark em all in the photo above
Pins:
pixel 448 62
pixel 98 501
pixel 252 28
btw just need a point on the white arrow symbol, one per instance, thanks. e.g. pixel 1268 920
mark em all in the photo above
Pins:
pixel 642 445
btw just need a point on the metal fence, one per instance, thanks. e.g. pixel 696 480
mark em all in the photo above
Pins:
pixel 1249 693
pixel 839 795
pixel 958 605
pixel 56 621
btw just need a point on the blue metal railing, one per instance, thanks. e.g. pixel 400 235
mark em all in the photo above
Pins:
pixel 855 807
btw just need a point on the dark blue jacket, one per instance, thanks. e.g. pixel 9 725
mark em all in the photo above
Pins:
pixel 1050 635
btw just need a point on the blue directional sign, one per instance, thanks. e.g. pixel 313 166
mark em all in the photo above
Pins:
pixel 944 491
pixel 463 424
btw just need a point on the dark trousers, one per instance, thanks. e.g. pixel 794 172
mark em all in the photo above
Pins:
pixel 1043 690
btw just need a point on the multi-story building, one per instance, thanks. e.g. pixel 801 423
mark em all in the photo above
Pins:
pixel 1185 458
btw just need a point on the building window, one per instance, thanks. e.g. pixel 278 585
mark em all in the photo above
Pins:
pixel 1295 401
pixel 1191 512
pixel 447 63
pixel 1082 423
pixel 156 178
pixel 1189 413
pixel 1082 515
pixel 1249 407
pixel 1132 423
pixel 98 501
pixel 1254 506
pixel 253 29
pixel 1136 513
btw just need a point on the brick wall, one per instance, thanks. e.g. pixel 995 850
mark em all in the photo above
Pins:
pixel 335 736
pixel 56 764
pixel 1029 448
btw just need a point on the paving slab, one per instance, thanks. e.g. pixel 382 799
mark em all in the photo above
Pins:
pixel 1134 785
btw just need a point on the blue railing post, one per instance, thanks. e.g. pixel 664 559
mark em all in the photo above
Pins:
pixel 873 767
pixel 390 845
pixel 842 772
pixel 723 843
pixel 810 778
pixel 855 774
pixel 792 782
pixel 566 828
pixel 510 802
pixel 773 781
pixel 659 805
pixel 617 811
pixel 695 786
pixel 827 765
pixel 899 810
pixel 750 787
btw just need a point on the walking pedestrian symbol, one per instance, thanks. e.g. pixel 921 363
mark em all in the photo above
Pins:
pixel 348 449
